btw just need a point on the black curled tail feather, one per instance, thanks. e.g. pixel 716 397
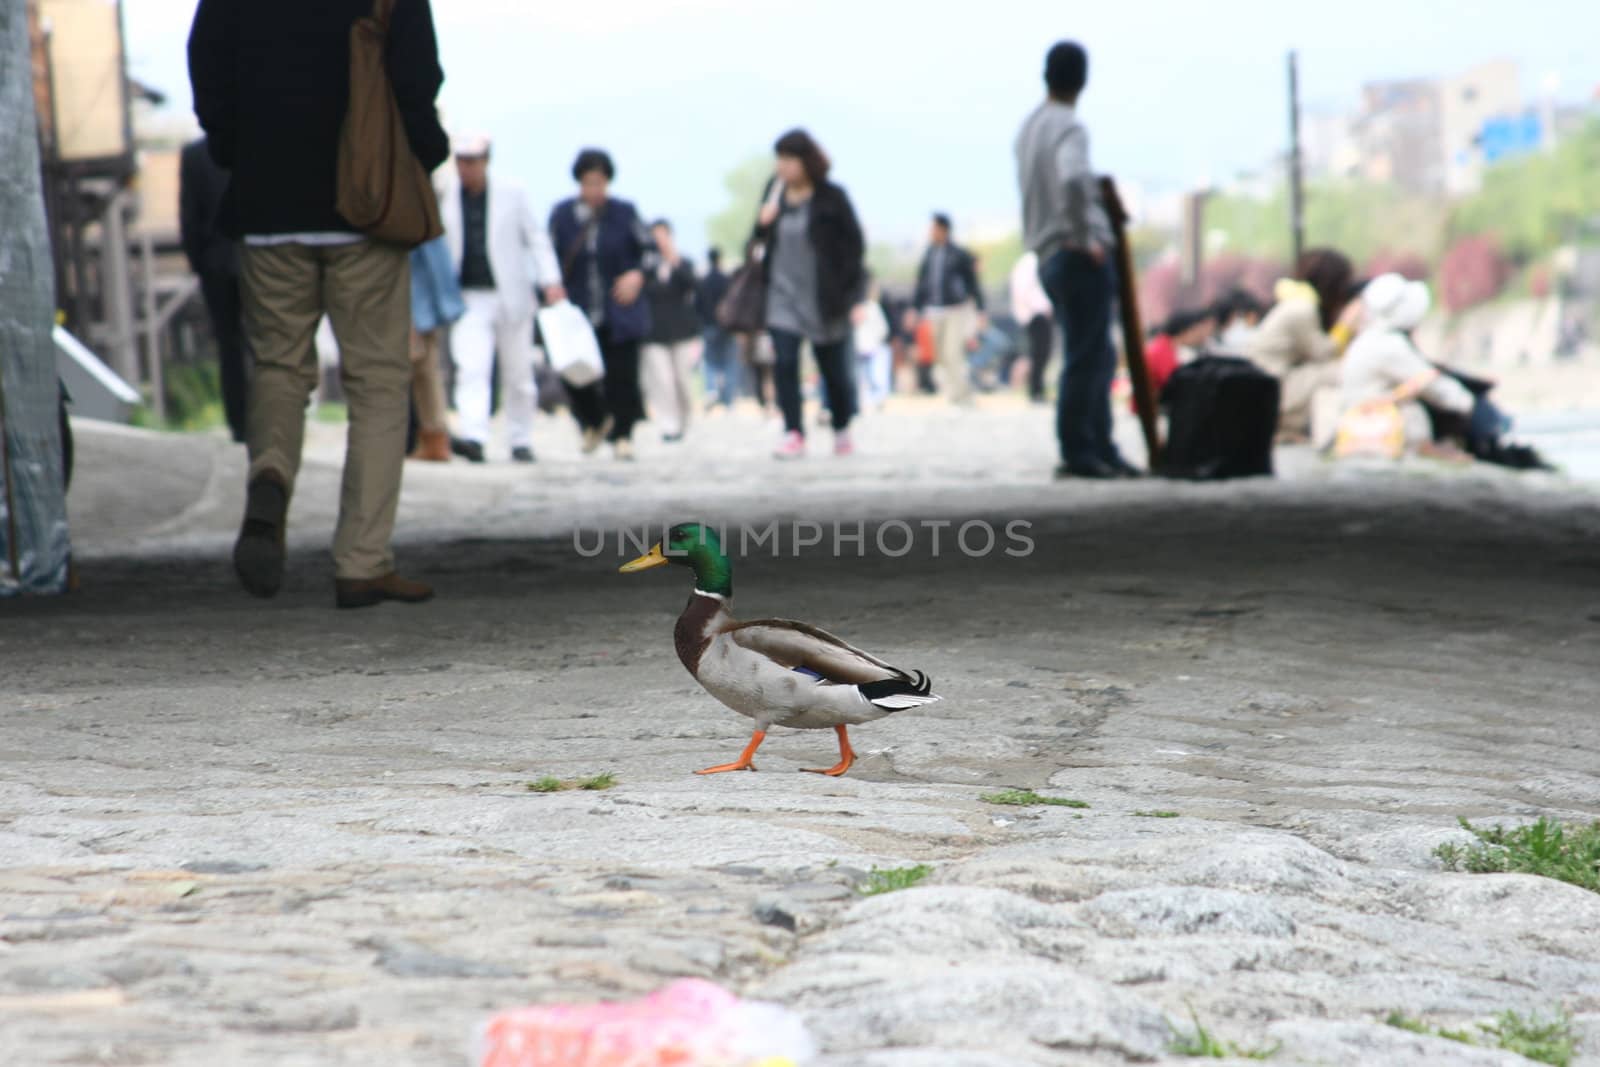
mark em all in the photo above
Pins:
pixel 896 694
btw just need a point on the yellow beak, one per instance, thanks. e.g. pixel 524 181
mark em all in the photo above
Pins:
pixel 652 558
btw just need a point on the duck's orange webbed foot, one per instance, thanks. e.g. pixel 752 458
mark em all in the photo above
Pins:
pixel 745 760
pixel 847 756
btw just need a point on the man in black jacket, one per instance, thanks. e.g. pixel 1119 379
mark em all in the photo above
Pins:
pixel 949 295
pixel 214 258
pixel 271 86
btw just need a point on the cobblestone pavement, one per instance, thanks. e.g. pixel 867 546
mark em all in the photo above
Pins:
pixel 273 834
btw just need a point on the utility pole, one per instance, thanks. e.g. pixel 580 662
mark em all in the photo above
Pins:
pixel 1297 191
pixel 1192 263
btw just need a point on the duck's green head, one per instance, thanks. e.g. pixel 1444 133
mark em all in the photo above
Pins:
pixel 695 545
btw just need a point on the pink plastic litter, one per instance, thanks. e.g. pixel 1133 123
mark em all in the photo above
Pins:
pixel 690 1023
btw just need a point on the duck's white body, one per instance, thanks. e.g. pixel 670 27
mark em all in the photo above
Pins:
pixel 783 673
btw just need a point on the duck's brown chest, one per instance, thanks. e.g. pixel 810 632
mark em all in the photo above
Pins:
pixel 701 619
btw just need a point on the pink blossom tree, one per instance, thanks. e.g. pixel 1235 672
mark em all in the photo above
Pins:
pixel 1473 272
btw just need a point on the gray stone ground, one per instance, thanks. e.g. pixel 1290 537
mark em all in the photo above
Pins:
pixel 272 834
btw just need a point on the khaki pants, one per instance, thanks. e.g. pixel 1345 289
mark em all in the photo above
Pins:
pixel 667 389
pixel 953 327
pixel 1300 386
pixel 427 381
pixel 365 290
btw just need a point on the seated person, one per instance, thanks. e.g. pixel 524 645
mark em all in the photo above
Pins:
pixel 1238 313
pixel 1300 340
pixel 1176 342
pixel 1440 411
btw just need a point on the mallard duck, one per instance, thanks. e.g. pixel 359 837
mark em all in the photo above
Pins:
pixel 777 672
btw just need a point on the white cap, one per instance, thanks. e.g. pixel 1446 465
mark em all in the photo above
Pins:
pixel 471 145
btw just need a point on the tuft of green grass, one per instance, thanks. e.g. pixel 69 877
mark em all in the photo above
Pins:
pixel 1402 1021
pixel 1019 798
pixel 1531 1036
pixel 879 882
pixel 1203 1044
pixel 1545 848
pixel 1537 1039
pixel 332 413
pixel 1156 814
pixel 551 784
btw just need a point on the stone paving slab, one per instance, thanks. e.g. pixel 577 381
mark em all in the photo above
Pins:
pixel 268 834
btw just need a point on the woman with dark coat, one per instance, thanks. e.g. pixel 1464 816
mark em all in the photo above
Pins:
pixel 605 250
pixel 815 277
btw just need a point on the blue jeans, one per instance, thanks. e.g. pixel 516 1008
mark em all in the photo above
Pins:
pixel 874 374
pixel 1083 295
pixel 722 366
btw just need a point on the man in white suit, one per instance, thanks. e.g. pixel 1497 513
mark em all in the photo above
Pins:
pixel 502 255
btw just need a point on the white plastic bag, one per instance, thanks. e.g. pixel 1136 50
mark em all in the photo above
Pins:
pixel 570 341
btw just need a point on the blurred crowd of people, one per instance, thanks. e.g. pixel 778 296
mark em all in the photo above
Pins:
pixel 492 289
pixel 476 290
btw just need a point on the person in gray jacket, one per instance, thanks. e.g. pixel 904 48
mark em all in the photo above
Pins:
pixel 1065 224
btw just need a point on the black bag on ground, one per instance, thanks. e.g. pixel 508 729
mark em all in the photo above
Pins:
pixel 1222 417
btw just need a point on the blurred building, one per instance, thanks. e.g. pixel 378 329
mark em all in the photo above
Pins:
pixel 111 195
pixel 1328 146
pixel 1483 119
pixel 1430 136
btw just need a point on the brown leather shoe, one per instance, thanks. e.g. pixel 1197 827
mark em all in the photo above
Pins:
pixel 367 592
pixel 433 446
pixel 258 553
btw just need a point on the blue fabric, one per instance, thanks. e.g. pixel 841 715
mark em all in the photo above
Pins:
pixel 1488 424
pixel 722 364
pixel 435 293
pixel 1081 291
pixel 621 245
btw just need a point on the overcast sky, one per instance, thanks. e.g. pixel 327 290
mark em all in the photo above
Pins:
pixel 917 102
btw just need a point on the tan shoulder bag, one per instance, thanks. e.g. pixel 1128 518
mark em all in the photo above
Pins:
pixel 383 189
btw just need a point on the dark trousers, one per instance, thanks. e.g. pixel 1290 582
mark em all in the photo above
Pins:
pixel 837 380
pixel 758 380
pixel 1082 292
pixel 617 394
pixel 225 309
pixel 1041 335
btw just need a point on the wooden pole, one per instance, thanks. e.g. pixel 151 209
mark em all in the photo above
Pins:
pixel 1144 396
pixel 1297 190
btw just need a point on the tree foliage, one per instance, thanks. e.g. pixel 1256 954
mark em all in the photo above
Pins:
pixel 1409 265
pixel 1532 204
pixel 729 228
pixel 1160 289
pixel 1162 292
pixel 1473 272
pixel 1361 219
pixel 1529 205
pixel 996 258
